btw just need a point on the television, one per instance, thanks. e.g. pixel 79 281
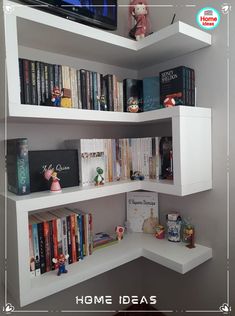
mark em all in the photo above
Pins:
pixel 99 13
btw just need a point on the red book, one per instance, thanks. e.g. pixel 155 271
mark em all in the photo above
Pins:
pixel 73 238
pixel 55 240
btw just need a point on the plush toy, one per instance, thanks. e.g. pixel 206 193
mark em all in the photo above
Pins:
pixel 139 11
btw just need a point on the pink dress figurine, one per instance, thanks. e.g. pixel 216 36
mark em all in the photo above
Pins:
pixel 138 10
pixel 55 186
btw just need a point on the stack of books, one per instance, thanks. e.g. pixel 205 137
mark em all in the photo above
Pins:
pixel 102 240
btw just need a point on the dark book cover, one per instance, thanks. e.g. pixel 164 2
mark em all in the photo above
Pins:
pixel 83 84
pixel 51 244
pixel 21 81
pixel 51 81
pixel 46 234
pixel 56 75
pixel 108 82
pixel 26 81
pixel 88 90
pixel 64 162
pixel 91 91
pixel 33 83
pixel 60 77
pixel 18 166
pixel 95 90
pixel 151 94
pixel 176 83
pixel 133 95
pixel 43 91
pixel 38 82
pixel 46 82
pixel 69 239
pixel 41 242
pixel 79 218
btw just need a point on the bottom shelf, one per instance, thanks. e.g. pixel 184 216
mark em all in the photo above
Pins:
pixel 174 256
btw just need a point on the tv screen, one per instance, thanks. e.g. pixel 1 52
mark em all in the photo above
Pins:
pixel 100 13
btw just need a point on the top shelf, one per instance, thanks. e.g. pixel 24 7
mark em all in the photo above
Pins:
pixel 44 31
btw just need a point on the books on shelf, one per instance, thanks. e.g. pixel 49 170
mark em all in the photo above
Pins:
pixel 61 231
pixel 178 83
pixel 117 158
pixel 102 240
pixel 142 211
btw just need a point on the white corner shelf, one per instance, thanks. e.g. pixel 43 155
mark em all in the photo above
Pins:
pixel 94 44
pixel 175 256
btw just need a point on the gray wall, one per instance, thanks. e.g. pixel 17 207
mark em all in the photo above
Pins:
pixel 204 288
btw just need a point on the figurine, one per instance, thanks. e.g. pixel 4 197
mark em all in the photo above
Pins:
pixel 169 102
pixel 56 96
pixel 189 235
pixel 160 232
pixel 166 157
pixel 55 185
pixel 119 232
pixel 138 10
pixel 102 103
pixel 150 223
pixel 99 179
pixel 133 105
pixel 136 175
pixel 61 260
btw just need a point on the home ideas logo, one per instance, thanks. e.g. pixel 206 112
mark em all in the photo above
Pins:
pixel 208 18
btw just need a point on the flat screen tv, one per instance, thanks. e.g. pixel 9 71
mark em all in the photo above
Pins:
pixel 100 13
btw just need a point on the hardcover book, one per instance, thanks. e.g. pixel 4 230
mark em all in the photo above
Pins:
pixel 132 94
pixel 64 162
pixel 151 94
pixel 179 84
pixel 18 166
pixel 142 211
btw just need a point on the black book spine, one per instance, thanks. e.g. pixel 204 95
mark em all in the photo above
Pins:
pixel 51 81
pixel 21 81
pixel 60 77
pixel 26 82
pixel 91 91
pixel 41 243
pixel 70 259
pixel 43 92
pixel 38 76
pixel 33 83
pixel 51 244
pixel 83 88
pixel 193 87
pixel 56 75
pixel 108 79
pixel 46 81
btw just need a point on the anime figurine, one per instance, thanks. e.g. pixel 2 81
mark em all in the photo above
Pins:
pixel 60 261
pixel 119 232
pixel 55 185
pixel 136 175
pixel 160 232
pixel 139 11
pixel 99 179
pixel 102 103
pixel 56 96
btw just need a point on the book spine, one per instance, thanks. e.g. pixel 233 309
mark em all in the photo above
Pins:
pixel 46 234
pixel 31 252
pixel 80 236
pixel 84 234
pixel 83 84
pixel 33 83
pixel 46 80
pixel 95 90
pixel 90 233
pixel 38 82
pixel 36 249
pixel 76 237
pixel 60 77
pixel 26 82
pixel 22 100
pixel 73 238
pixel 56 75
pixel 43 92
pixel 41 242
pixel 91 90
pixel 64 235
pixel 55 241
pixel 70 260
pixel 79 89
pixel 115 93
pixel 51 81
pixel 52 255
pixel 88 90
pixel 59 236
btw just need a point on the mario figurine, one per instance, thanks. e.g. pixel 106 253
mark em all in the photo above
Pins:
pixel 56 96
pixel 61 260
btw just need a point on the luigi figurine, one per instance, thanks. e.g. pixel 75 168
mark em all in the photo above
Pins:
pixel 99 179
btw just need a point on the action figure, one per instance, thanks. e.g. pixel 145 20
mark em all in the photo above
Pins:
pixel 61 260
pixel 138 10
pixel 102 103
pixel 99 179
pixel 56 96
pixel 55 185
pixel 119 232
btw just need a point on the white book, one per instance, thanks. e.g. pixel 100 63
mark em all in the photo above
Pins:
pixel 74 88
pixel 142 211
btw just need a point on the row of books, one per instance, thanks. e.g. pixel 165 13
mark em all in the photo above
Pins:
pixel 55 232
pixel 117 157
pixel 38 79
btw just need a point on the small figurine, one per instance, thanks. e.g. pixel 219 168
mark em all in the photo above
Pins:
pixel 166 158
pixel 160 232
pixel 99 179
pixel 55 185
pixel 136 175
pixel 150 223
pixel 66 101
pixel 61 260
pixel 133 105
pixel 102 103
pixel 138 10
pixel 56 96
pixel 119 232
pixel 189 236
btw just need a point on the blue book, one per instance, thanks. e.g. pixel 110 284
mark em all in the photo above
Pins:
pixel 95 90
pixel 79 219
pixel 151 94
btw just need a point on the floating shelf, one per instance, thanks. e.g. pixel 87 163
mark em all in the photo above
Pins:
pixel 94 44
pixel 175 256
